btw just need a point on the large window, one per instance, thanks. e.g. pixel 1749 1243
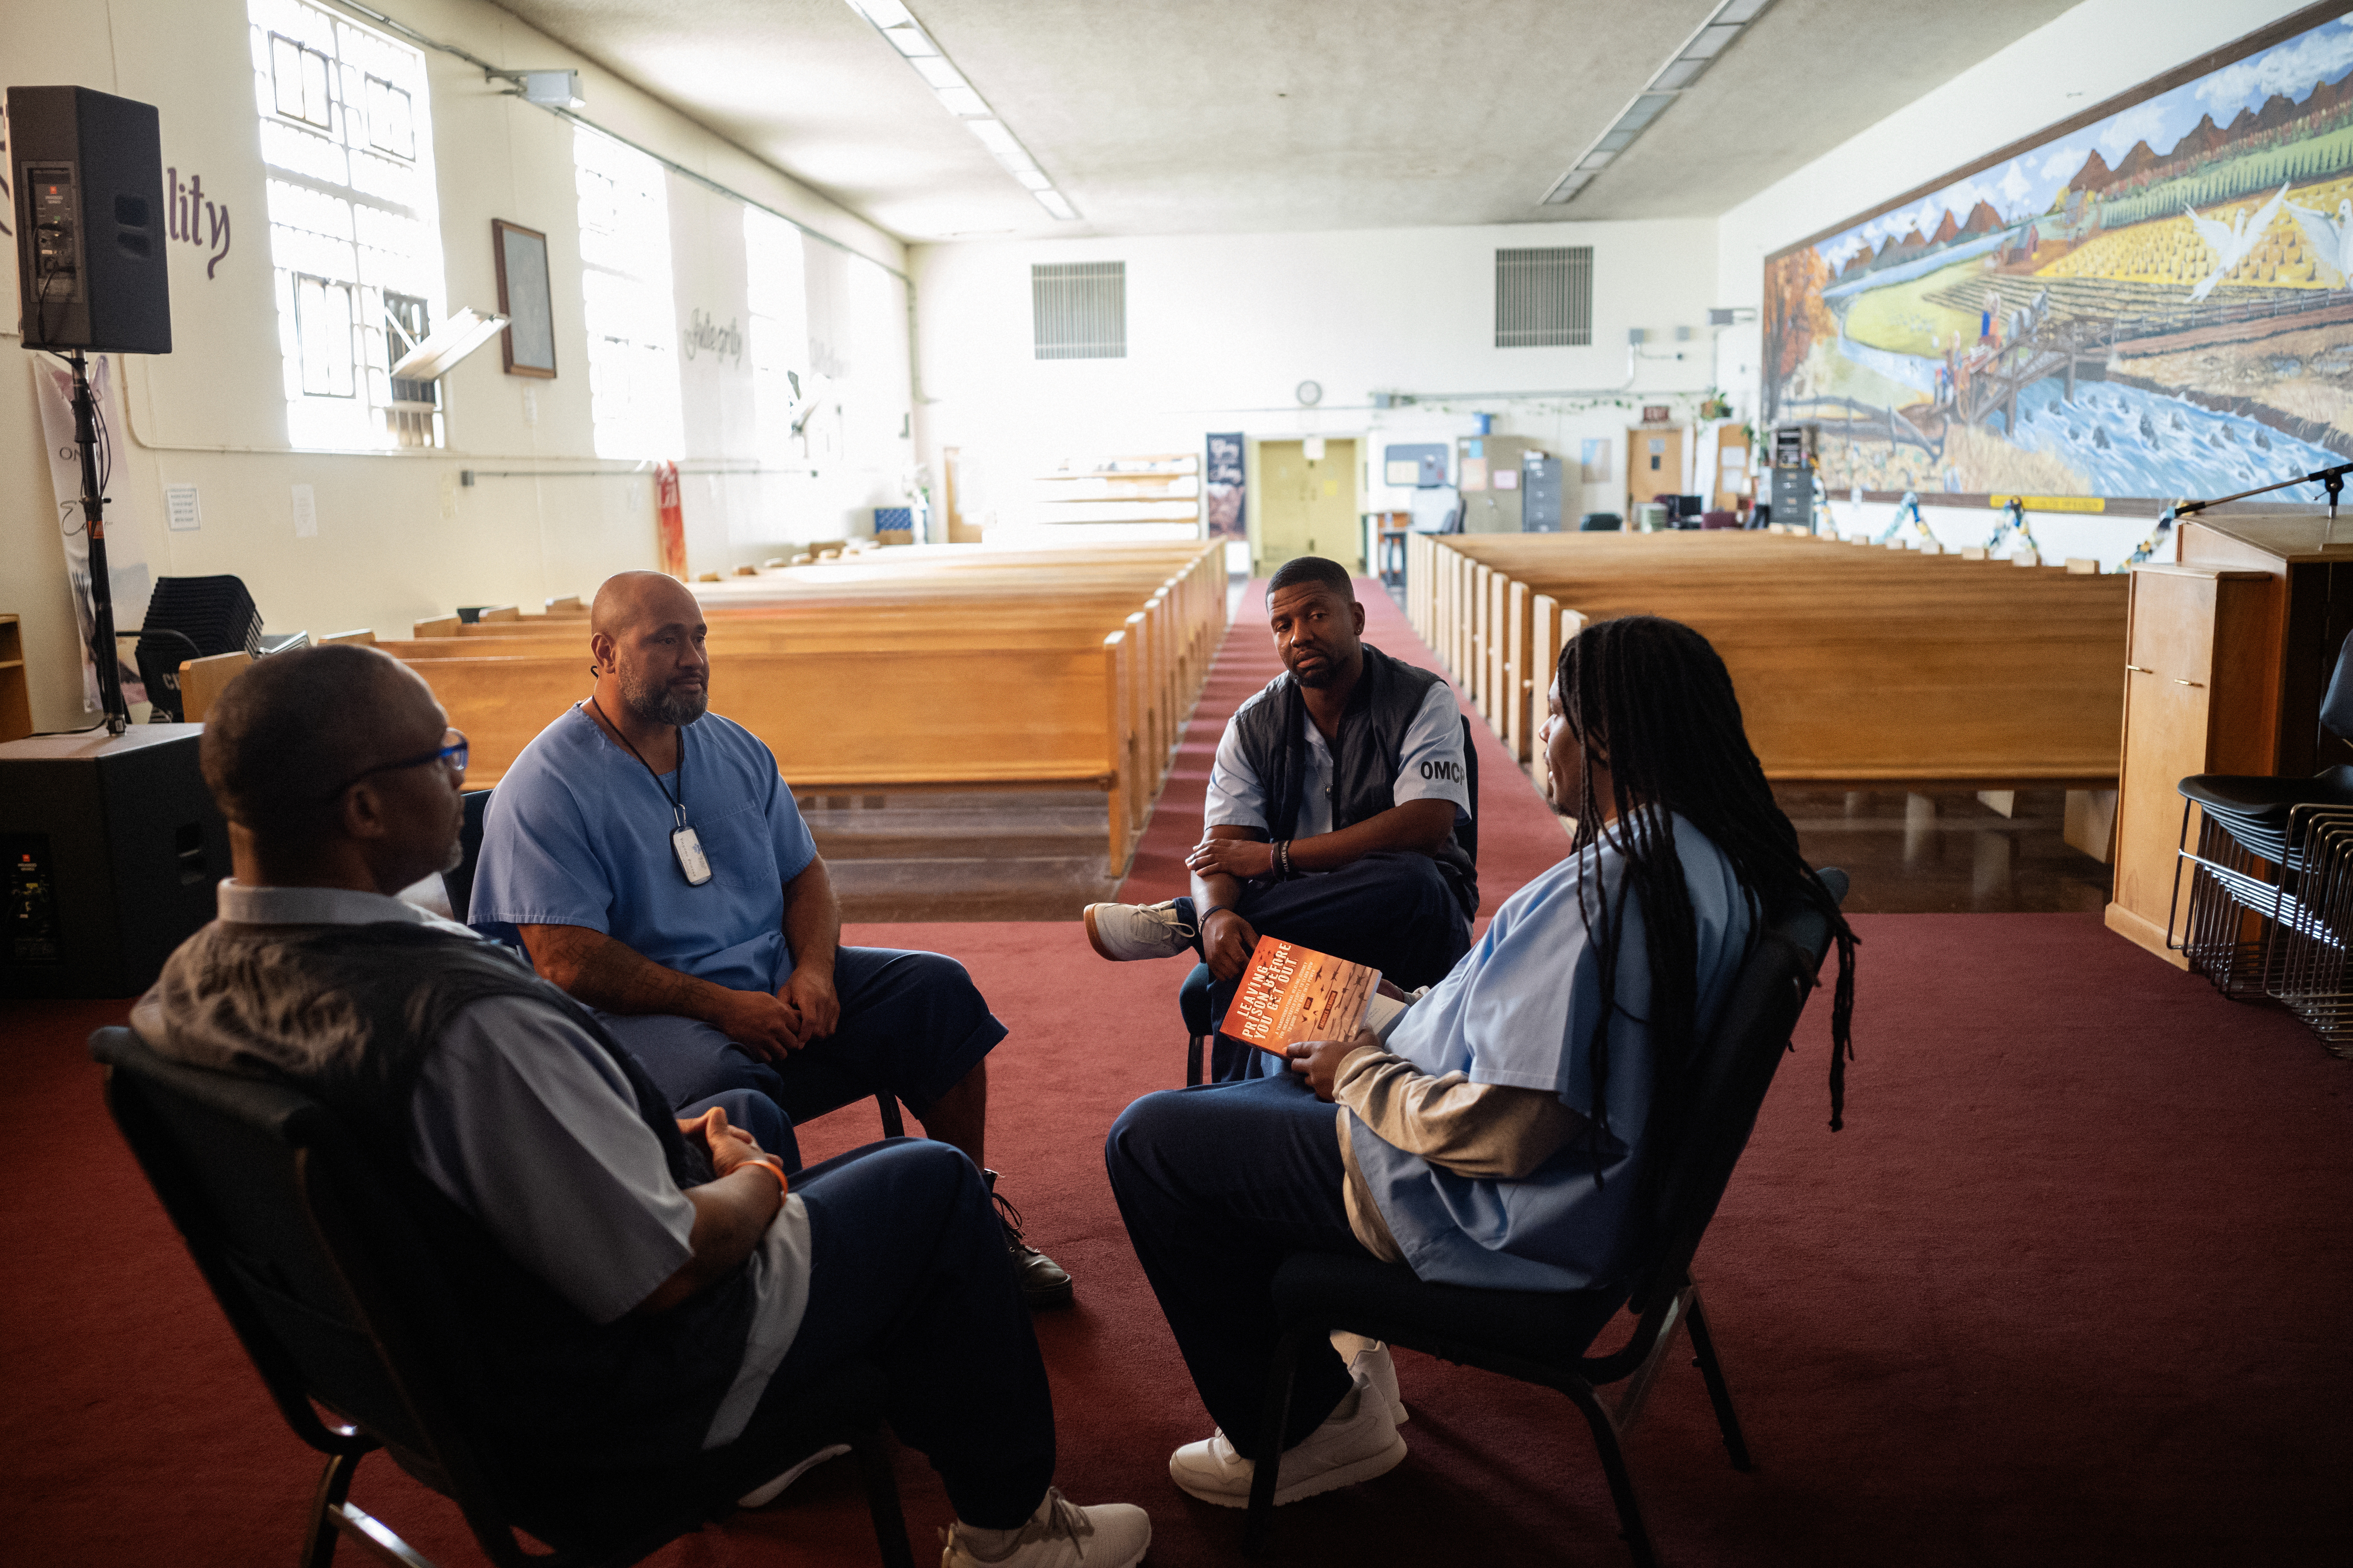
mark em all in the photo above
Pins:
pixel 777 291
pixel 625 286
pixel 354 238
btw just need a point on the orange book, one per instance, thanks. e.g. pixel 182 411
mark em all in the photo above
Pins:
pixel 1291 992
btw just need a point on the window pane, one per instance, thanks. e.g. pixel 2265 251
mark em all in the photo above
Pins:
pixel 314 89
pixel 286 75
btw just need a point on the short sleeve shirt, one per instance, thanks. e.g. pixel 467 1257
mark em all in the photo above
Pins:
pixel 1430 767
pixel 578 834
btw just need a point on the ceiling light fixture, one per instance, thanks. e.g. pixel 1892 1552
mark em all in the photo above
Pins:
pixel 1684 67
pixel 962 100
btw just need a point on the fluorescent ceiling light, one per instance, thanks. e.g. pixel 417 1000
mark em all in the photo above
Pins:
pixel 936 70
pixel 1684 67
pixel 1712 41
pixel 962 100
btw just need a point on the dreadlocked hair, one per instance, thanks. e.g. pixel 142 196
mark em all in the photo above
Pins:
pixel 1650 701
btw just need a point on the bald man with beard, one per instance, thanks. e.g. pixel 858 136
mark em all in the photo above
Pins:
pixel 646 854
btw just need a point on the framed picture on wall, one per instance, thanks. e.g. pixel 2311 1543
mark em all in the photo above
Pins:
pixel 528 345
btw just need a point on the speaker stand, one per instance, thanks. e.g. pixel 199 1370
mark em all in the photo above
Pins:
pixel 102 650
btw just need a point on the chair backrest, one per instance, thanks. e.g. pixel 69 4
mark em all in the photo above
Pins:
pixel 301 1246
pixel 2337 707
pixel 1468 832
pixel 193 617
pixel 1727 1084
pixel 459 882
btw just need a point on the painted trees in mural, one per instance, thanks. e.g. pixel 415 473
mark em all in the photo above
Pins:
pixel 2156 305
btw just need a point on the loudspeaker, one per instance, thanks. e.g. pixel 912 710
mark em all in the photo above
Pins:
pixel 113 847
pixel 92 263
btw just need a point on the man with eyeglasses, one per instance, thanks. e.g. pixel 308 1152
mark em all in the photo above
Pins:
pixel 645 852
pixel 639 1288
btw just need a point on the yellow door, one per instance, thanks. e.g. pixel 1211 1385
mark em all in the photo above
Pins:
pixel 1307 506
pixel 1654 464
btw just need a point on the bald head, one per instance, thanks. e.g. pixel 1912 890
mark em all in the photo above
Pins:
pixel 647 632
pixel 632 599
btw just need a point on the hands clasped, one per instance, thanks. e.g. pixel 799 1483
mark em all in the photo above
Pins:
pixel 1243 857
pixel 729 1146
pixel 804 1009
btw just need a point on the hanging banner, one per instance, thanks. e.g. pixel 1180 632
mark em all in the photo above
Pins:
pixel 671 520
pixel 126 524
pixel 1222 482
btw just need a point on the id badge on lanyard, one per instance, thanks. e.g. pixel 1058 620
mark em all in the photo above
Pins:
pixel 689 850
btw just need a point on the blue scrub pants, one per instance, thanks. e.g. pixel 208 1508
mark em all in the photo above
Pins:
pixel 1218 1185
pixel 1392 910
pixel 908 1272
pixel 912 1024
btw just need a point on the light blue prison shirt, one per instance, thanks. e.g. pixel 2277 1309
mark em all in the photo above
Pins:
pixel 578 834
pixel 1519 1010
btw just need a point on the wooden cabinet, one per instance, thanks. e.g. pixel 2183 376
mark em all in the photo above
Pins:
pixel 2201 678
pixel 16 691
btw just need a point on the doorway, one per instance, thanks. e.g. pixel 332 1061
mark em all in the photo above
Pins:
pixel 1307 506
pixel 1654 464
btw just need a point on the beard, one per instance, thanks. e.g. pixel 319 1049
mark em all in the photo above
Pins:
pixel 662 704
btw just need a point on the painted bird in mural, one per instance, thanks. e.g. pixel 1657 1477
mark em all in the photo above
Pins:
pixel 2229 242
pixel 2331 238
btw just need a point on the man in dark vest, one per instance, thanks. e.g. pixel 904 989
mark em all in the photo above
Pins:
pixel 641 1287
pixel 1338 814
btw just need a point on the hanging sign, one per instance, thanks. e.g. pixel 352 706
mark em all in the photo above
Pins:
pixel 1222 481
pixel 671 515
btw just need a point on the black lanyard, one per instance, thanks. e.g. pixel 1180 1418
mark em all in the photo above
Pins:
pixel 678 801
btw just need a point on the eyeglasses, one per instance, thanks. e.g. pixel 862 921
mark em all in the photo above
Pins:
pixel 450 754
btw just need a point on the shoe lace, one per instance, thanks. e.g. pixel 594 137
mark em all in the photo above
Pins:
pixel 1011 1219
pixel 1062 1518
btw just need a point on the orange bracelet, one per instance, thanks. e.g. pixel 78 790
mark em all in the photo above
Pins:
pixel 769 1165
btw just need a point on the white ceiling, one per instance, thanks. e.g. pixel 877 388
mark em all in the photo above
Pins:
pixel 1242 116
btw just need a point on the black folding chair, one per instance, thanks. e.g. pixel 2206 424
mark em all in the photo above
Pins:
pixel 345 1312
pixel 458 884
pixel 1546 1337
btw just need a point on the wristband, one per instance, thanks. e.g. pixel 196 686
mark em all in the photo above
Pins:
pixel 1282 859
pixel 769 1165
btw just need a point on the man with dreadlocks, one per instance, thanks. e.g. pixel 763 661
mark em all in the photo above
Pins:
pixel 1501 1136
pixel 1338 814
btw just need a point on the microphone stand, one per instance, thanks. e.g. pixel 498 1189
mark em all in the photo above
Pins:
pixel 101 585
pixel 2330 479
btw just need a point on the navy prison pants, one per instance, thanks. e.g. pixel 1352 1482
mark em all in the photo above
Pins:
pixel 1218 1184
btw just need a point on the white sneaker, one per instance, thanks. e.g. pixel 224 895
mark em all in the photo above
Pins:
pixel 767 1494
pixel 1342 1451
pixel 1123 932
pixel 1058 1535
pixel 1370 1362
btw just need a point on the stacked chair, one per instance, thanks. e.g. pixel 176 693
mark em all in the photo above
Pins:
pixel 2271 881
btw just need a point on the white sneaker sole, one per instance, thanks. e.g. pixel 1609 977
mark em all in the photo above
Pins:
pixel 1286 1491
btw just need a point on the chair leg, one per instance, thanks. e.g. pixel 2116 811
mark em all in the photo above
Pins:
pixel 334 1486
pixel 1719 1393
pixel 883 1500
pixel 1613 1464
pixel 892 1126
pixel 1267 1470
pixel 1193 1044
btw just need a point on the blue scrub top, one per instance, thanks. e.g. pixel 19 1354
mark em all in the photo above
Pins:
pixel 1519 1009
pixel 577 833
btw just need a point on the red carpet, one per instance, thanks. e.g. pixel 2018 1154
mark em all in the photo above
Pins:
pixel 2070 1290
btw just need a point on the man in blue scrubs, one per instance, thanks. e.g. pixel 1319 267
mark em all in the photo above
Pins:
pixel 649 857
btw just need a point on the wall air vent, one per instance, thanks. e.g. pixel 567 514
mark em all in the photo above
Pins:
pixel 1544 299
pixel 1079 309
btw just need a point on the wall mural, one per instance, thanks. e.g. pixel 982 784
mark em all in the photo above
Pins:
pixel 2157 305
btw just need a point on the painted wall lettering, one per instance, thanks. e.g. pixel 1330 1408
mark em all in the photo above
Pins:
pixel 197 218
pixel 706 336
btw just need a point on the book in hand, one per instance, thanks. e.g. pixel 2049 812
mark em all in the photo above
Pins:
pixel 1291 992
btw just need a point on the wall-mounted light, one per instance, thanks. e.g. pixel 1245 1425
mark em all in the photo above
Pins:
pixel 1684 67
pixel 549 90
pixel 961 99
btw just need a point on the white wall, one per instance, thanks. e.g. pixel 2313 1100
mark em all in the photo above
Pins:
pixel 1221 329
pixel 2100 48
pixel 398 537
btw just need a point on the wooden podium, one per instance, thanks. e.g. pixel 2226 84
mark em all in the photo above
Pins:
pixel 2227 655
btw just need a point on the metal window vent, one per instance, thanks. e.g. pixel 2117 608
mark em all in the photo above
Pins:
pixel 1544 299
pixel 1079 309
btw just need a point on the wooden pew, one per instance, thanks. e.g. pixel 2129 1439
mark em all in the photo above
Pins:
pixel 1850 665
